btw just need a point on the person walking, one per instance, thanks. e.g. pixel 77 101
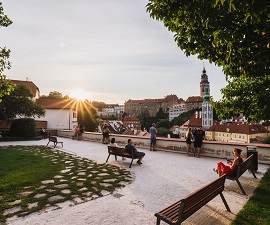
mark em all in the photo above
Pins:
pixel 198 137
pixel 189 137
pixel 153 137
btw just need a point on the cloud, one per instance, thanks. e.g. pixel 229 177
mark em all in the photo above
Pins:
pixel 62 45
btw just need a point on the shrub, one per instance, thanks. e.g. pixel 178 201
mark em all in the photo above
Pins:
pixel 266 140
pixel 25 127
pixel 163 132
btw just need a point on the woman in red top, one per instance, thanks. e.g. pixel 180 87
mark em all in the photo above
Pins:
pixel 233 164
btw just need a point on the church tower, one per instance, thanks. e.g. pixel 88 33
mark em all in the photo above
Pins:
pixel 207 112
pixel 204 84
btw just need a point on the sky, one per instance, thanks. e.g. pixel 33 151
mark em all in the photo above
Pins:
pixel 104 50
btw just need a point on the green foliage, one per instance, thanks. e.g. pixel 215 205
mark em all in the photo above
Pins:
pixel 161 115
pixel 19 103
pixel 5 87
pixel 25 127
pixel 267 140
pixel 163 132
pixel 99 105
pixel 185 116
pixel 233 34
pixel 247 96
pixel 87 116
pixel 164 123
pixel 55 95
pixel 256 210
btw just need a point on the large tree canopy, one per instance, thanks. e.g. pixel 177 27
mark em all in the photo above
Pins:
pixel 5 86
pixel 234 34
pixel 19 104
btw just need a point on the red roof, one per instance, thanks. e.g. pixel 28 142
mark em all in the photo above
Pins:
pixel 57 103
pixel 196 120
pixel 131 118
pixel 168 98
pixel 239 128
pixel 194 99
pixel 33 88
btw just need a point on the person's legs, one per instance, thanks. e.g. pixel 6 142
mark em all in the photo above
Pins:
pixel 154 143
pixel 140 155
pixel 188 148
pixel 199 152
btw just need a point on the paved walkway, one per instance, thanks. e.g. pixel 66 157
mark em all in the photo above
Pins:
pixel 163 178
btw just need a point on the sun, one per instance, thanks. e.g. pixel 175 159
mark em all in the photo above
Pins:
pixel 79 94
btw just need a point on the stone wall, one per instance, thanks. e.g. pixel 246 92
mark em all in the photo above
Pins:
pixel 210 148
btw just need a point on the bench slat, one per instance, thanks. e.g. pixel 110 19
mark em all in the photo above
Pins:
pixel 181 210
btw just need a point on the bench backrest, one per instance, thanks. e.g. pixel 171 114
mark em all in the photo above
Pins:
pixel 244 166
pixel 197 199
pixel 52 138
pixel 118 151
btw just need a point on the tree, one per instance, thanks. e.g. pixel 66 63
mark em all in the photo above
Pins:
pixel 183 117
pixel 5 87
pixel 233 34
pixel 87 116
pixel 161 115
pixel 249 97
pixel 19 104
pixel 55 94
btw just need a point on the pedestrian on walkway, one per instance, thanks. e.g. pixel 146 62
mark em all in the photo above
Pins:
pixel 189 137
pixel 153 137
pixel 198 137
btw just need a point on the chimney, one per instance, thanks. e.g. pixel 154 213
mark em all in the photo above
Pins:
pixel 196 114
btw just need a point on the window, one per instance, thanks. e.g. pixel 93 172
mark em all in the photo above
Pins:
pixel 74 115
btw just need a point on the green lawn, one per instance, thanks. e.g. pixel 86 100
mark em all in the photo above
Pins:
pixel 35 177
pixel 257 210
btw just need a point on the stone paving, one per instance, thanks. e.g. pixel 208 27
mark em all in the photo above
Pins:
pixel 79 181
pixel 164 178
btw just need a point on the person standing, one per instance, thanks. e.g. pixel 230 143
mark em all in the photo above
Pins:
pixel 105 134
pixel 198 136
pixel 153 137
pixel 189 137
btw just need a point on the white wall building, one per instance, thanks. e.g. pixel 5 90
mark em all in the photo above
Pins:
pixel 176 110
pixel 60 113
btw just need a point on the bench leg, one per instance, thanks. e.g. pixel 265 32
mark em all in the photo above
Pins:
pixel 253 174
pixel 158 221
pixel 225 202
pixel 131 163
pixel 108 158
pixel 55 144
pixel 242 189
pixel 48 143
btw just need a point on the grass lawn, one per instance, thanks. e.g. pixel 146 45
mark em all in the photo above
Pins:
pixel 257 209
pixel 33 178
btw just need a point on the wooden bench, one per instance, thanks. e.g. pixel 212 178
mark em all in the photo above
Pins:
pixel 247 164
pixel 118 151
pixel 55 141
pixel 181 210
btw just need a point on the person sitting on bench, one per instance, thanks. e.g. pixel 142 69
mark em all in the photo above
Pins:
pixel 130 146
pixel 233 164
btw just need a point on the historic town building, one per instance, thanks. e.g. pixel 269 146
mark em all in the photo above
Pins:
pixel 149 107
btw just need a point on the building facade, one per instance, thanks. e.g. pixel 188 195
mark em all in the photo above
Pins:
pixel 60 113
pixel 176 110
pixel 149 107
pixel 236 132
